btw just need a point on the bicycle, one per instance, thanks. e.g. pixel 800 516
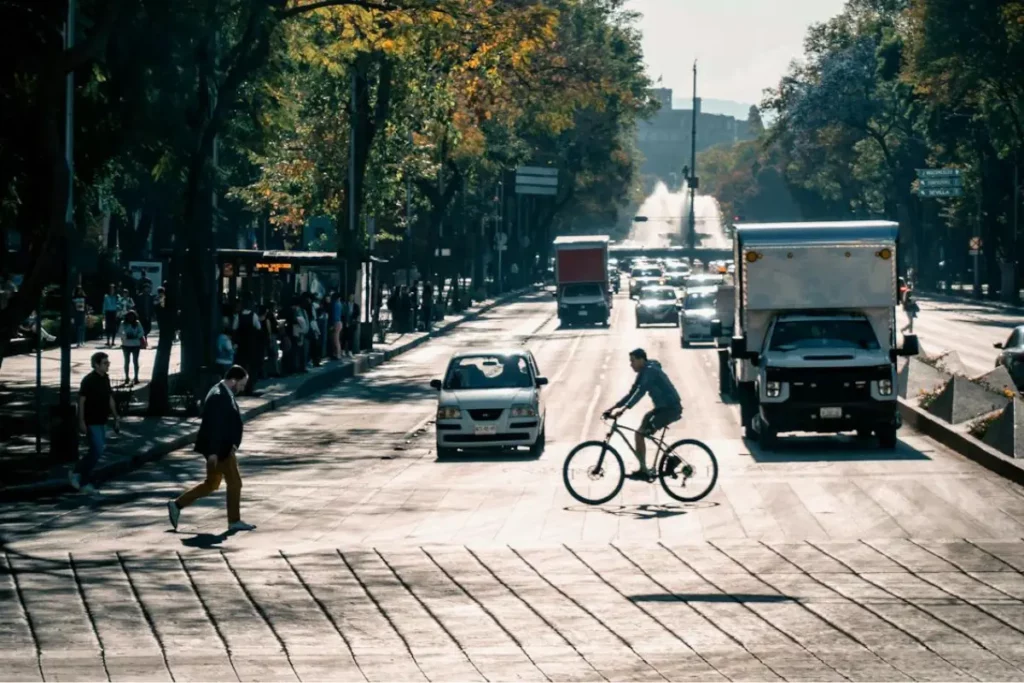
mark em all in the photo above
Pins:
pixel 673 465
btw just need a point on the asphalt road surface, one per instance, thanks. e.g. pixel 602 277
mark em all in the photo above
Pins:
pixel 374 560
pixel 966 327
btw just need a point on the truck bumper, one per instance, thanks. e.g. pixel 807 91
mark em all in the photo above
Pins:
pixel 815 417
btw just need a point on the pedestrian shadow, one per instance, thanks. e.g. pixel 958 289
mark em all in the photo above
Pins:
pixel 206 541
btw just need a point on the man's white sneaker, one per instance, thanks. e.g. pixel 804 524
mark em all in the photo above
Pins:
pixel 241 526
pixel 88 489
pixel 76 480
pixel 174 512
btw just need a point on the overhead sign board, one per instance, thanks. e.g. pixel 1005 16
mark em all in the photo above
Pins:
pixel 941 192
pixel 937 172
pixel 942 181
pixel 537 180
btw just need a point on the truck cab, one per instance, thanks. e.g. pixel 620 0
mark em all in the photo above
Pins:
pixel 814 348
pixel 582 278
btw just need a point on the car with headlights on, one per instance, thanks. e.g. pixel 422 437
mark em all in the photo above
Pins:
pixel 657 304
pixel 644 276
pixel 697 312
pixel 703 280
pixel 1011 355
pixel 490 400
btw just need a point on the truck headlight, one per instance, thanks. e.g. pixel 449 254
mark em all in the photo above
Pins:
pixel 448 413
pixel 885 387
pixel 773 389
pixel 523 411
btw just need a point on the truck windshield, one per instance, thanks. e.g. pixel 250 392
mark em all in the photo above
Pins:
pixel 700 300
pixel 790 335
pixel 582 289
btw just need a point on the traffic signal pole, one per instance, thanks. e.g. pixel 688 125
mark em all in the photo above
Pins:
pixel 691 237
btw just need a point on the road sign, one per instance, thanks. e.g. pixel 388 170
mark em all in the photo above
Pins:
pixel 502 239
pixel 937 172
pixel 975 243
pixel 940 192
pixel 537 180
pixel 944 181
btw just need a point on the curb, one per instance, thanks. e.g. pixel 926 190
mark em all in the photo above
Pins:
pixel 314 385
pixel 961 442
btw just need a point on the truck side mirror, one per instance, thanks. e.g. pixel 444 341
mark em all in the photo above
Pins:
pixel 997 345
pixel 435 384
pixel 755 358
pixel 738 347
pixel 716 328
pixel 911 346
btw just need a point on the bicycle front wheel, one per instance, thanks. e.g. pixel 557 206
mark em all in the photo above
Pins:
pixel 688 471
pixel 593 472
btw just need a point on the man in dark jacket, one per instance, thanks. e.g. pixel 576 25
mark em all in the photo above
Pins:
pixel 652 381
pixel 220 435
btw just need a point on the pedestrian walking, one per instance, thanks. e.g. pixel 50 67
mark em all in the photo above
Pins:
pixel 132 340
pixel 911 308
pixel 78 300
pixel 220 435
pixel 111 306
pixel 335 325
pixel 125 303
pixel 225 350
pixel 95 406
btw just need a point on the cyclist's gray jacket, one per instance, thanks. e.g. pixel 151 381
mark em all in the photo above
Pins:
pixel 652 381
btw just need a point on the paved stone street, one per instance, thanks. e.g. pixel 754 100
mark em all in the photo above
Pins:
pixel 375 560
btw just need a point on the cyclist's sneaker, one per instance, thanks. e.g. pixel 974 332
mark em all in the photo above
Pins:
pixel 641 475
pixel 671 463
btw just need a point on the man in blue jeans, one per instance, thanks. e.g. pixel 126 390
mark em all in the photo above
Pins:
pixel 95 405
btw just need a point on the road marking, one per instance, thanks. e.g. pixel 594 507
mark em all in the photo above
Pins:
pixel 589 415
pixel 565 366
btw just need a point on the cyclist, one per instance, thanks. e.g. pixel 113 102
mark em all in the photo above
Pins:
pixel 650 380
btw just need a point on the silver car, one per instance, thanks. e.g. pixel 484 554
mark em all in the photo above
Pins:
pixel 490 400
pixel 699 310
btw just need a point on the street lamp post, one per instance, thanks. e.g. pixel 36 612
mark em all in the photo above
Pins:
pixel 691 237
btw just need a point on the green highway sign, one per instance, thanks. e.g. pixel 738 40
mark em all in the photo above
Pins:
pixel 940 192
pixel 947 181
pixel 937 172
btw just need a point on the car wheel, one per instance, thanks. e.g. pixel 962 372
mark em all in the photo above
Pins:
pixel 684 342
pixel 537 449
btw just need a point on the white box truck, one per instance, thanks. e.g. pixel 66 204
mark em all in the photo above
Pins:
pixel 814 348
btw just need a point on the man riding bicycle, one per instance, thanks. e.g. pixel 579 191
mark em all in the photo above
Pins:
pixel 650 380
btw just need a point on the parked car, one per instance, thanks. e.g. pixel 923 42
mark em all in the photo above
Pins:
pixel 490 399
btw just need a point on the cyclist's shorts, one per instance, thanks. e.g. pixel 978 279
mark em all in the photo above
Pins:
pixel 659 418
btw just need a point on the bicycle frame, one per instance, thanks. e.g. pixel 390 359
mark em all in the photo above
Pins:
pixel 621 430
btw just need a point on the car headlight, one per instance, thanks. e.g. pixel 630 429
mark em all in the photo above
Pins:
pixel 773 389
pixel 523 411
pixel 885 387
pixel 448 413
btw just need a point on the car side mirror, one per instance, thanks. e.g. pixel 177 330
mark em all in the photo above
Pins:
pixel 435 384
pixel 542 381
pixel 997 345
pixel 911 346
pixel 716 328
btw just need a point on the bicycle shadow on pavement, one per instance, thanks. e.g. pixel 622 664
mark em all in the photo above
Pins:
pixel 642 511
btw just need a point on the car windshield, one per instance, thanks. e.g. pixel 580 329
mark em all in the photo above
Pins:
pixel 647 272
pixel 659 294
pixel 705 281
pixel 582 289
pixel 489 372
pixel 790 335
pixel 700 300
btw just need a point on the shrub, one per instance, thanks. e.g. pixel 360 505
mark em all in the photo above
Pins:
pixel 926 398
pixel 979 427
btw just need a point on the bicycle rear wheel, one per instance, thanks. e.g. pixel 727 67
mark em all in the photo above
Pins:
pixel 688 471
pixel 593 472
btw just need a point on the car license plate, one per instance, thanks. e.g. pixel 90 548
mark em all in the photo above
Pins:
pixel 583 313
pixel 486 430
pixel 828 413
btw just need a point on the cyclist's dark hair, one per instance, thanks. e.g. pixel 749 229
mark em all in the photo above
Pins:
pixel 638 353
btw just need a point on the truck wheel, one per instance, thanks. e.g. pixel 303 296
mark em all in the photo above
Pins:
pixel 748 409
pixel 638 323
pixel 887 438
pixel 769 438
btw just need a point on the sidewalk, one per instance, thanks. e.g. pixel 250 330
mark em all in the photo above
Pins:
pixel 144 439
pixel 958 294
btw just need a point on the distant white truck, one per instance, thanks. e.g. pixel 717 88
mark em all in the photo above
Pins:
pixel 814 348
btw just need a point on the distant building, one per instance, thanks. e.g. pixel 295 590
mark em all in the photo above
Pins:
pixel 664 140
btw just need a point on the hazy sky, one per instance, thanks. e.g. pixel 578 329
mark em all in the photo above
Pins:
pixel 743 46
